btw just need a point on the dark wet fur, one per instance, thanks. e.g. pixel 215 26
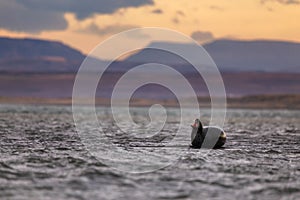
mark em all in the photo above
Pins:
pixel 200 136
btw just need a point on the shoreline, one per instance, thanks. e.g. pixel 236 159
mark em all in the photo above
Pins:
pixel 245 102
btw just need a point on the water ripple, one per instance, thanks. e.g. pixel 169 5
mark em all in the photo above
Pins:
pixel 41 157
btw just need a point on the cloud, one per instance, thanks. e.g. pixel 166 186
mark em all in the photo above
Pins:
pixel 83 9
pixel 107 30
pixel 179 12
pixel 202 36
pixel 217 8
pixel 38 15
pixel 175 20
pixel 137 34
pixel 178 15
pixel 157 11
pixel 16 17
pixel 286 2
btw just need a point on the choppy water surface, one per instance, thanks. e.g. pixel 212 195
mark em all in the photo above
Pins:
pixel 42 157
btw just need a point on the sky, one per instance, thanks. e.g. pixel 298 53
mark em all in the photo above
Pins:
pixel 83 24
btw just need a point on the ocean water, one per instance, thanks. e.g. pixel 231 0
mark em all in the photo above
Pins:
pixel 43 157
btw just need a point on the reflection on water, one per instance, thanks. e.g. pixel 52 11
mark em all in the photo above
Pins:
pixel 41 157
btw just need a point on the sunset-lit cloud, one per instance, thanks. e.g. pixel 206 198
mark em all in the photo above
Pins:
pixel 82 9
pixel 282 1
pixel 85 24
pixel 202 36
pixel 157 11
pixel 35 15
pixel 106 30
pixel 15 16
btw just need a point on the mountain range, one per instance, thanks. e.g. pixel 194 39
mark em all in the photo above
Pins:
pixel 39 68
pixel 33 55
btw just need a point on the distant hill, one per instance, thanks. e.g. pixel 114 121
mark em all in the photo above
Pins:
pixel 230 55
pixel 260 55
pixel 32 55
pixel 39 68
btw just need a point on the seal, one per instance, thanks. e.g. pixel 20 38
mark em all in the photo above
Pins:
pixel 199 133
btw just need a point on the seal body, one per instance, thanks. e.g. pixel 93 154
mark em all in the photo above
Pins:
pixel 215 137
